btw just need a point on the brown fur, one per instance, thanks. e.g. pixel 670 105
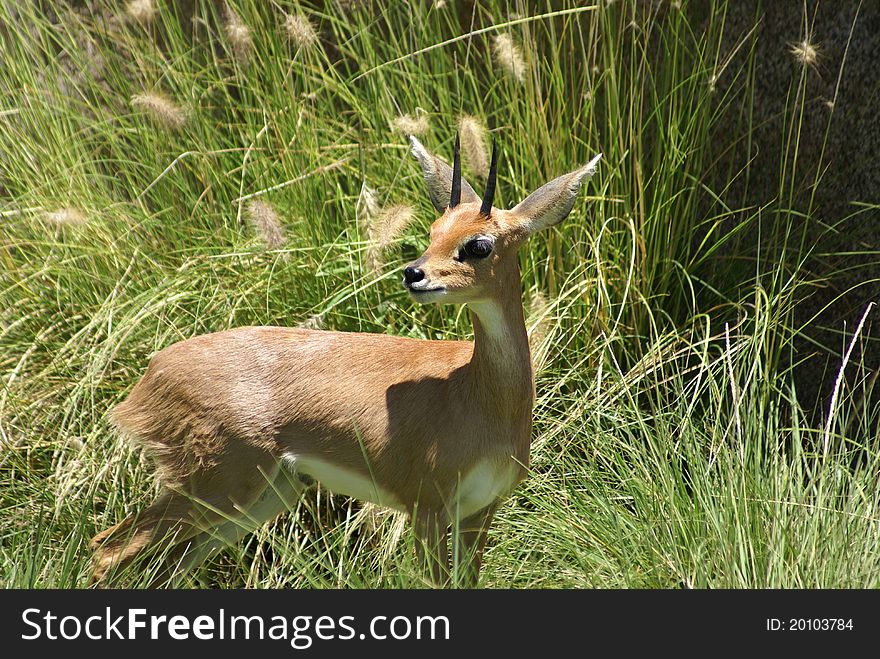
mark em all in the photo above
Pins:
pixel 219 412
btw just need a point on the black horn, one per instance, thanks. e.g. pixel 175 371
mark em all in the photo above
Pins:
pixel 486 208
pixel 455 198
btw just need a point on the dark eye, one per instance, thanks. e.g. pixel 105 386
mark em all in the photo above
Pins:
pixel 479 248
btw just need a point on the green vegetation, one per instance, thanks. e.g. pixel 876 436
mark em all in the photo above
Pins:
pixel 669 449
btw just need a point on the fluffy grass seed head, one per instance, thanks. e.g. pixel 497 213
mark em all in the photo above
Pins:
pixel 387 226
pixel 141 11
pixel 391 223
pixel 409 125
pixel 161 109
pixel 367 207
pixel 473 145
pixel 264 220
pixel 300 30
pixel 509 56
pixel 805 52
pixel 239 36
pixel 67 217
pixel 313 322
pixel 367 211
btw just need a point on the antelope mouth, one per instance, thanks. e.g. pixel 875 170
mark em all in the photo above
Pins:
pixel 419 291
pixel 426 294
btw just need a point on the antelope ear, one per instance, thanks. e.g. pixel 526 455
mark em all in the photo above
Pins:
pixel 553 201
pixel 438 176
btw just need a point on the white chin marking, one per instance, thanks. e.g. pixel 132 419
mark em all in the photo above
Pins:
pixel 427 296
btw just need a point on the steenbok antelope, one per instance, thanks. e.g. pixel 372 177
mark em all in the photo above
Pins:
pixel 240 422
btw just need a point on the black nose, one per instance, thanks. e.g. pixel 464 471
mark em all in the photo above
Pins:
pixel 412 275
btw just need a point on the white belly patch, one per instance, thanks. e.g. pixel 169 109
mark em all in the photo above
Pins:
pixel 341 481
pixel 489 480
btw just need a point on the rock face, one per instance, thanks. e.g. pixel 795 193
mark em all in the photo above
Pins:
pixel 827 67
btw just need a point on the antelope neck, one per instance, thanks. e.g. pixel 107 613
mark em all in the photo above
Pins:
pixel 501 366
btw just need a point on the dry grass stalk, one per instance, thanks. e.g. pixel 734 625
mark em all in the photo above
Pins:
pixel 386 527
pixel 539 325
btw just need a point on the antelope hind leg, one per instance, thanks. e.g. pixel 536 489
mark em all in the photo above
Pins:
pixel 280 495
pixel 210 498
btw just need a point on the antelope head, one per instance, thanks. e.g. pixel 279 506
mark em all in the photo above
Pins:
pixel 472 254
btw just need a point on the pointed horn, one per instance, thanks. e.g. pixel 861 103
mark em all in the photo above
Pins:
pixel 455 198
pixel 486 208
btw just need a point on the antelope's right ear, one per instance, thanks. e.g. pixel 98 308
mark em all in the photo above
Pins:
pixel 438 176
pixel 553 201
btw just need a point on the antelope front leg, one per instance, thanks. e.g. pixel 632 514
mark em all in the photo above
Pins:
pixel 472 534
pixel 432 544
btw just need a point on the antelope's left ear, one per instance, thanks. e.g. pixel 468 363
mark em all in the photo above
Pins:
pixel 553 201
pixel 438 176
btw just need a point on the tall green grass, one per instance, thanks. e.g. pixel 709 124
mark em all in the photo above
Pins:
pixel 669 447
